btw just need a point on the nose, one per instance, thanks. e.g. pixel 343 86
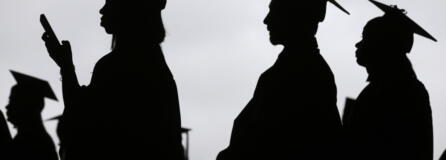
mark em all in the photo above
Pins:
pixel 101 11
pixel 358 44
pixel 8 110
pixel 267 19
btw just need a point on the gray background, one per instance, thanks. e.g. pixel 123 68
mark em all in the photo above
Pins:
pixel 216 50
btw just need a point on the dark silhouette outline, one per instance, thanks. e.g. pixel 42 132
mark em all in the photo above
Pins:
pixel 443 156
pixel 130 110
pixel 26 103
pixel 391 119
pixel 5 138
pixel 293 113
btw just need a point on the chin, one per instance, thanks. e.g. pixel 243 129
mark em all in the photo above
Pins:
pixel 361 63
pixel 108 30
pixel 274 41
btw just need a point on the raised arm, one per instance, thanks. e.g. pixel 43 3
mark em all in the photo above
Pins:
pixel 62 55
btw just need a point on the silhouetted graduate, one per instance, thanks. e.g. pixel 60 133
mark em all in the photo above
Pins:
pixel 5 138
pixel 26 103
pixel 130 110
pixel 391 118
pixel 293 113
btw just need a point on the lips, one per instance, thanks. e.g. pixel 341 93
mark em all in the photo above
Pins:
pixel 102 21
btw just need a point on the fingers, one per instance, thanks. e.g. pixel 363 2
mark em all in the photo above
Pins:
pixel 49 41
pixel 66 44
pixel 45 36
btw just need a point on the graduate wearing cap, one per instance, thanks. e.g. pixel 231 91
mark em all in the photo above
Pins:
pixel 130 109
pixel 391 119
pixel 293 113
pixel 26 103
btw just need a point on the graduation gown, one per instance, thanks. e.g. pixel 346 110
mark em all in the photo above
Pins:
pixel 130 110
pixel 391 119
pixel 293 113
pixel 33 144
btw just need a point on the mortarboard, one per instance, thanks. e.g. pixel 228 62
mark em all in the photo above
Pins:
pixel 185 130
pixel 55 118
pixel 37 86
pixel 339 6
pixel 395 11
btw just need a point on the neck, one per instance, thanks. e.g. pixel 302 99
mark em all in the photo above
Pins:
pixel 393 69
pixel 126 42
pixel 33 125
pixel 301 42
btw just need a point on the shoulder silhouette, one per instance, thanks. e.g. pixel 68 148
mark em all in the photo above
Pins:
pixel 293 113
pixel 391 118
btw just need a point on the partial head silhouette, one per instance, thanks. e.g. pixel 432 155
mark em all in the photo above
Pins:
pixel 134 18
pixel 27 98
pixel 389 36
pixel 290 18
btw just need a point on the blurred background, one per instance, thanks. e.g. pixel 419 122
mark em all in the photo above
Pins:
pixel 216 50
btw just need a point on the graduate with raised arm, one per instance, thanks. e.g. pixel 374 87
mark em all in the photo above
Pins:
pixel 130 109
pixel 391 119
pixel 293 113
pixel 26 103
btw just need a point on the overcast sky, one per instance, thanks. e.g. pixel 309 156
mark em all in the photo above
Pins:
pixel 216 50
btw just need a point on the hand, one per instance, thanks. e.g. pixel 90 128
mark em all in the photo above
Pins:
pixel 61 54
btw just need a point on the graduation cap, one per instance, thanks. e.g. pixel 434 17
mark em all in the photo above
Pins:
pixel 401 14
pixel 339 6
pixel 55 118
pixel 36 86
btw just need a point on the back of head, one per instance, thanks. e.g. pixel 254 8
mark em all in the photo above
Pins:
pixel 136 18
pixel 390 33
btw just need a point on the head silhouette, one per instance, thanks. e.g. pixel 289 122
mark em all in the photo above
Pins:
pixel 383 39
pixel 289 19
pixel 26 101
pixel 139 20
pixel 388 38
pixel 24 106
